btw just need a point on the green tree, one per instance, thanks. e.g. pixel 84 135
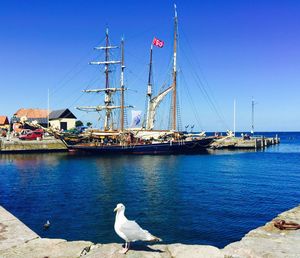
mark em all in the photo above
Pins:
pixel 78 123
pixel 88 124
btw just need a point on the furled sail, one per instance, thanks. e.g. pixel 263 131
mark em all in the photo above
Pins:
pixel 153 104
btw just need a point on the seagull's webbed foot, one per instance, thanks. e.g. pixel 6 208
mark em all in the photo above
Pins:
pixel 125 249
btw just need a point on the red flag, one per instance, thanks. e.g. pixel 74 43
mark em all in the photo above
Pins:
pixel 158 43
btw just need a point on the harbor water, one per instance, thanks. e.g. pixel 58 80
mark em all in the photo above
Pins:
pixel 213 198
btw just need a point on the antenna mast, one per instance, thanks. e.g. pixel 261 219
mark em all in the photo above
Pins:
pixel 252 117
pixel 234 116
pixel 48 107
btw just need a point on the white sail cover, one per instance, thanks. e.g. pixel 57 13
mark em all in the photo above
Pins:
pixel 136 116
pixel 153 104
pixel 150 134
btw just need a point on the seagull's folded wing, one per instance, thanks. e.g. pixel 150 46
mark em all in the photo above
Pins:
pixel 134 232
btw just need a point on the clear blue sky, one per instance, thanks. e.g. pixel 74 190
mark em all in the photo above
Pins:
pixel 238 49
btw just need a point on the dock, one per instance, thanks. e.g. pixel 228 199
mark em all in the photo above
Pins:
pixel 18 241
pixel 257 142
pixel 15 145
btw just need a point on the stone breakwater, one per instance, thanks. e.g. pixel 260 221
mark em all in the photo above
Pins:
pixel 17 240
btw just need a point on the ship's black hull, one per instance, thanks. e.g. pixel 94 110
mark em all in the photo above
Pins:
pixel 176 147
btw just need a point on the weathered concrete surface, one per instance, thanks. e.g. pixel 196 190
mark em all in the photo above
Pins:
pixel 240 143
pixel 155 251
pixel 16 240
pixel 12 231
pixel 268 241
pixel 43 247
pixel 43 145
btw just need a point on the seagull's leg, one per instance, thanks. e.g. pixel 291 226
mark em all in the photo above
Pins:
pixel 125 249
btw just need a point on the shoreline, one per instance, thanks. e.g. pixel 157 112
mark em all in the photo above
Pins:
pixel 17 240
pixel 48 145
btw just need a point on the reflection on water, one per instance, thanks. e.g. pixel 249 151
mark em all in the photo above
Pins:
pixel 24 161
pixel 231 151
pixel 195 199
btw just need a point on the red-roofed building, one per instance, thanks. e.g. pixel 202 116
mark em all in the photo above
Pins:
pixel 32 113
pixel 60 119
pixel 4 123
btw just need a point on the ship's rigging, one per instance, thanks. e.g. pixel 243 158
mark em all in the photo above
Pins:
pixel 109 106
pixel 153 102
pixel 135 140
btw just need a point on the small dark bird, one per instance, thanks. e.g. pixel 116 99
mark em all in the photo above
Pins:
pixel 47 224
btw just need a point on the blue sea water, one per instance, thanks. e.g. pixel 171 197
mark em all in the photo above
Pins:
pixel 210 199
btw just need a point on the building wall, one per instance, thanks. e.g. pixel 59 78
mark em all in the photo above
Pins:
pixel 56 123
pixel 5 126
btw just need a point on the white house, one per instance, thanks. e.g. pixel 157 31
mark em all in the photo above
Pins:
pixel 62 119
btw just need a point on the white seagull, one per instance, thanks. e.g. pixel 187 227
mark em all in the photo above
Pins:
pixel 129 230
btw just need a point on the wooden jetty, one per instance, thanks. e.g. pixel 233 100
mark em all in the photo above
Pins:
pixel 256 142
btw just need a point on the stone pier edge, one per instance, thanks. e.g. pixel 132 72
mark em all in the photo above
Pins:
pixel 17 240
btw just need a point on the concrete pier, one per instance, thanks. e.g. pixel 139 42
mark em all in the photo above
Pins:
pixel 17 240
pixel 257 143
pixel 18 146
pixel 12 231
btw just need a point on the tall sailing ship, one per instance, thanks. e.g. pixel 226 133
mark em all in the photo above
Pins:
pixel 145 140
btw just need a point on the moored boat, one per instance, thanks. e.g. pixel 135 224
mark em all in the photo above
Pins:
pixel 153 147
pixel 144 140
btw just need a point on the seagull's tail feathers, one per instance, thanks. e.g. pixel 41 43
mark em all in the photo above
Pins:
pixel 156 239
pixel 151 238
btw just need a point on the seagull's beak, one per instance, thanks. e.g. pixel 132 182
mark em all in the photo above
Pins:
pixel 115 209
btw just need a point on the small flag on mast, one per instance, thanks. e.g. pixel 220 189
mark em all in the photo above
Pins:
pixel 158 43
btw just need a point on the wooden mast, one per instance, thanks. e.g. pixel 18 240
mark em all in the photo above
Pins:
pixel 107 100
pixel 149 90
pixel 108 107
pixel 106 59
pixel 122 85
pixel 175 72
